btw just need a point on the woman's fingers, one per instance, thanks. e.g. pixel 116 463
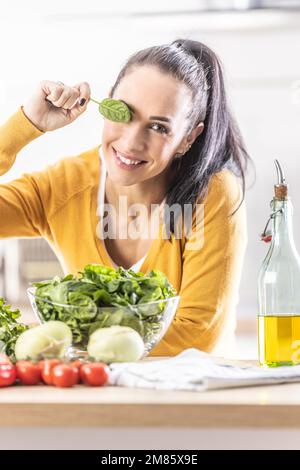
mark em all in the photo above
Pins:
pixel 83 99
pixel 52 90
pixel 55 105
pixel 84 93
pixel 71 99
pixel 63 96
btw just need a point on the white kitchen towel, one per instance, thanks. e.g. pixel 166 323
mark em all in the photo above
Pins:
pixel 197 371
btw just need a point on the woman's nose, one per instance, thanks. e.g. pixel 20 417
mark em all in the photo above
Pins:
pixel 133 140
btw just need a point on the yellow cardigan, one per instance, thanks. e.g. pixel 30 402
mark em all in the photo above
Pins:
pixel 60 204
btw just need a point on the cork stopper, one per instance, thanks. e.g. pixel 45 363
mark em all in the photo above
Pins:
pixel 281 191
pixel 281 188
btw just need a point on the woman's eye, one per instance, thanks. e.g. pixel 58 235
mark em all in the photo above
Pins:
pixel 159 128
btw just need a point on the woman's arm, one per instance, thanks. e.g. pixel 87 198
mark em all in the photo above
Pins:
pixel 211 272
pixel 21 208
pixel 22 204
pixel 15 134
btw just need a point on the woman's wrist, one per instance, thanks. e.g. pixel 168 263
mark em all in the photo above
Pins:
pixel 30 119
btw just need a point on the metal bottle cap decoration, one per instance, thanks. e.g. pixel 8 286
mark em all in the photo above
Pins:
pixel 280 194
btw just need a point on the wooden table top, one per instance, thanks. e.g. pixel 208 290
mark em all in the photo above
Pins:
pixel 258 406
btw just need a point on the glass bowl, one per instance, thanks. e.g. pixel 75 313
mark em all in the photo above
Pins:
pixel 151 320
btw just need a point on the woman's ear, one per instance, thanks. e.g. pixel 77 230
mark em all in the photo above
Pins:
pixel 189 140
pixel 110 92
pixel 195 133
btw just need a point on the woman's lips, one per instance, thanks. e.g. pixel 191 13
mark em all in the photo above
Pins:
pixel 123 165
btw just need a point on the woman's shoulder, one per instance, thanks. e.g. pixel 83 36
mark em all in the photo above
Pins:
pixel 73 174
pixel 68 177
pixel 224 189
pixel 84 165
pixel 225 180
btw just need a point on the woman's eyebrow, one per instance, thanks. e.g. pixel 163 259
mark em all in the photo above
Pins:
pixel 160 118
pixel 152 118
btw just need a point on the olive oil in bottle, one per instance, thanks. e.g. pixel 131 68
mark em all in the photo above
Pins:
pixel 279 286
pixel 279 339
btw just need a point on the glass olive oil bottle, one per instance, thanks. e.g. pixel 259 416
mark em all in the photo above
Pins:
pixel 279 285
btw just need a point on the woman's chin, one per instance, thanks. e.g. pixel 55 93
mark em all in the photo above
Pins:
pixel 119 178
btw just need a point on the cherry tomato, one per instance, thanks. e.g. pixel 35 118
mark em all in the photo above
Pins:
pixel 94 373
pixel 64 375
pixel 28 372
pixel 4 359
pixel 46 367
pixel 8 374
pixel 77 364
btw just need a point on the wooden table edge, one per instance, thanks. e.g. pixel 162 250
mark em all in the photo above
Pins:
pixel 149 415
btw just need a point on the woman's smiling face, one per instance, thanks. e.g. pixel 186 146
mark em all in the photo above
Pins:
pixel 157 130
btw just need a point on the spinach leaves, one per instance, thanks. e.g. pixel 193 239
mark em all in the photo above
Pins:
pixel 10 329
pixel 101 296
pixel 114 110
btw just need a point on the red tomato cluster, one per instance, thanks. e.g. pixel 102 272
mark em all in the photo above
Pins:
pixel 8 373
pixel 52 372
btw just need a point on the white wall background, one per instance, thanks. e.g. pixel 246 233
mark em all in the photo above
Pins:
pixel 90 40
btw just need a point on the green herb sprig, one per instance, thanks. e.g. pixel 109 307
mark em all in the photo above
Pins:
pixel 114 110
pixel 10 329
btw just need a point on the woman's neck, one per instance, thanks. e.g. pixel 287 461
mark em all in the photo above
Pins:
pixel 148 192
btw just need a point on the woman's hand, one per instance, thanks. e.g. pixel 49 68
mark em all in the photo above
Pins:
pixel 55 105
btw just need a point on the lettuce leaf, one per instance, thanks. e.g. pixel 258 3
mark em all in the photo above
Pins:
pixel 84 302
pixel 10 328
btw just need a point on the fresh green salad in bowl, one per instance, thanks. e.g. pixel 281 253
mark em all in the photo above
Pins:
pixel 101 297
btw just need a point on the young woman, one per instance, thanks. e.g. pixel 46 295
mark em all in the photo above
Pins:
pixel 181 147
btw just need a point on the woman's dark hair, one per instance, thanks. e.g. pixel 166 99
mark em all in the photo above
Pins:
pixel 220 145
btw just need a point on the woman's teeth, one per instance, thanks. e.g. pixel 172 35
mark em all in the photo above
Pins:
pixel 127 161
